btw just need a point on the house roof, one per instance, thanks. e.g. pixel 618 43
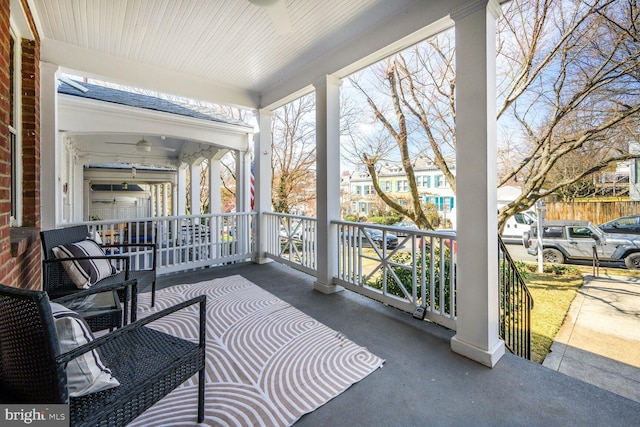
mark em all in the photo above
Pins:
pixel 138 100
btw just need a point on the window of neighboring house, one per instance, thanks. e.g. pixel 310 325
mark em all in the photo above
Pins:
pixel 14 105
pixel 427 181
pixel 402 186
pixel 438 202
pixel 357 189
pixel 436 181
pixel 419 181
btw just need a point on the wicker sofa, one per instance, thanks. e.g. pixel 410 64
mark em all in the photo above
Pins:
pixel 148 364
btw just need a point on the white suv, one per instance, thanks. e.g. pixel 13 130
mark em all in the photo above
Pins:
pixel 579 240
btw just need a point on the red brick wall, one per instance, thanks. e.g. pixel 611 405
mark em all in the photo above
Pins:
pixel 20 247
pixel 5 244
pixel 30 133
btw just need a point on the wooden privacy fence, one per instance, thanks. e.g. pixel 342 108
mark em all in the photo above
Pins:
pixel 594 211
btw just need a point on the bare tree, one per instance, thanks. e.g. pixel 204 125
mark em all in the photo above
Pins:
pixel 294 155
pixel 568 88
pixel 574 90
pixel 417 116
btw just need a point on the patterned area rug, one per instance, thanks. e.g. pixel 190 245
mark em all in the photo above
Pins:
pixel 267 363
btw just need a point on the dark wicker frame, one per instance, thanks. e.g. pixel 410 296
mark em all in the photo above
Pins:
pixel 109 319
pixel 56 281
pixel 148 364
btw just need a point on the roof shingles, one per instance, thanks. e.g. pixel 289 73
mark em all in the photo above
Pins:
pixel 137 100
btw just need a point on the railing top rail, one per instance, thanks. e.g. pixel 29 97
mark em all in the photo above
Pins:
pixel 158 218
pixel 286 215
pixel 447 234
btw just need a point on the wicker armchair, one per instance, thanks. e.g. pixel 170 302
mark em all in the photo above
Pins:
pixel 147 363
pixel 57 283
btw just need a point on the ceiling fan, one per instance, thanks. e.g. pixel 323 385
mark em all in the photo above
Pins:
pixel 277 10
pixel 142 145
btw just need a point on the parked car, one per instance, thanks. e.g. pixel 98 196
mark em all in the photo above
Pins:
pixel 623 225
pixel 569 240
pixel 448 236
pixel 517 225
pixel 375 236
pixel 405 225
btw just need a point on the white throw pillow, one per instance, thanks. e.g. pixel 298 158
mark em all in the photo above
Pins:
pixel 86 373
pixel 86 272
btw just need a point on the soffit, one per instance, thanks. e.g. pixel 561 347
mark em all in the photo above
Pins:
pixel 224 49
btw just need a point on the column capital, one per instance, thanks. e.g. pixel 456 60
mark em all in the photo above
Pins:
pixel 470 7
pixel 262 111
pixel 328 79
pixel 49 67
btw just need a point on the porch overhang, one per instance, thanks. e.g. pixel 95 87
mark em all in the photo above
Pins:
pixel 269 69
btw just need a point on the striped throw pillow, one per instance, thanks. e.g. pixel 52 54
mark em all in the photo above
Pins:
pixel 85 272
pixel 86 373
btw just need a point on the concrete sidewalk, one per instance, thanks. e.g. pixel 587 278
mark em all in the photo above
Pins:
pixel 599 341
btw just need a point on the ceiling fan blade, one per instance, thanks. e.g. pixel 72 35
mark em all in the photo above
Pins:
pixel 119 143
pixel 280 17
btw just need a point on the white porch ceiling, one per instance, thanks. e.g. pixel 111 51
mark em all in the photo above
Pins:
pixel 228 51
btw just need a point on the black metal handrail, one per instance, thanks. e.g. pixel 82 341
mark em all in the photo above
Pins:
pixel 516 304
pixel 596 262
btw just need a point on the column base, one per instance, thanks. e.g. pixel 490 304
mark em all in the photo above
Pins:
pixel 488 358
pixel 260 260
pixel 327 288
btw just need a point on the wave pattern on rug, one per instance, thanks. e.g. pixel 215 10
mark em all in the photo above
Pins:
pixel 267 363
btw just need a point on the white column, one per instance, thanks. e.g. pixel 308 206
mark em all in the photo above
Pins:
pixel 159 199
pixel 180 193
pixel 263 176
pixel 215 183
pixel 50 191
pixel 243 164
pixel 86 200
pixel 327 180
pixel 165 199
pixel 78 192
pixel 153 193
pixel 477 334
pixel 194 170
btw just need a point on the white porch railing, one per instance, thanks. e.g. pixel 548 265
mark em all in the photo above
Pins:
pixel 291 240
pixel 184 242
pixel 417 272
pixel 391 274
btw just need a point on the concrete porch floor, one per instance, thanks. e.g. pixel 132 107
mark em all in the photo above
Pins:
pixel 422 381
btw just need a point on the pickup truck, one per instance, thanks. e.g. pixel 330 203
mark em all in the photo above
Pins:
pixel 567 240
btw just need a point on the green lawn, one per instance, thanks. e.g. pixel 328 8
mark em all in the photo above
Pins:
pixel 552 296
